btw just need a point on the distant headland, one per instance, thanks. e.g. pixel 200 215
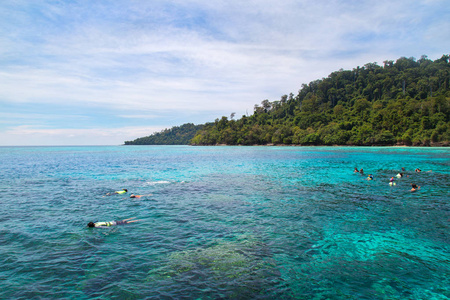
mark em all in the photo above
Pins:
pixel 406 102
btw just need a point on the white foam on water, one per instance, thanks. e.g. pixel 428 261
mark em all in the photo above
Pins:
pixel 158 182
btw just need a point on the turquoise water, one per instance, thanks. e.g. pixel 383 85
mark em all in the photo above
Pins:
pixel 224 223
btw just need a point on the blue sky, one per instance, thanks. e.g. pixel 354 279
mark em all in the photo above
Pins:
pixel 102 72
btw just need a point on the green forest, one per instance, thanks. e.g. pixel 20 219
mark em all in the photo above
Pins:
pixel 403 102
pixel 178 135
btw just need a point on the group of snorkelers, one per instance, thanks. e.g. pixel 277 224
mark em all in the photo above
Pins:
pixel 369 177
pixel 358 171
pixel 414 187
pixel 117 222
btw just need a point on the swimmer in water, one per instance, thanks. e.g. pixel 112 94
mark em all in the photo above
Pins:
pixel 356 170
pixel 391 181
pixel 414 187
pixel 111 223
pixel 370 177
pixel 123 191
pixel 361 171
pixel 399 175
pixel 418 170
pixel 139 196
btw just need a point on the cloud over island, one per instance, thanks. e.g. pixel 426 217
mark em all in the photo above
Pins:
pixel 102 72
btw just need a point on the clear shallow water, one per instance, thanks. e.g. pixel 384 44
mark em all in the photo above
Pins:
pixel 224 223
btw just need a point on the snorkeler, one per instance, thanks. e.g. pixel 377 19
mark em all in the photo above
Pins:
pixel 391 182
pixel 370 177
pixel 123 191
pixel 139 196
pixel 414 187
pixel 112 223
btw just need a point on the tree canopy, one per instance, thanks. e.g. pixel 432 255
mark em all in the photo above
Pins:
pixel 178 135
pixel 403 102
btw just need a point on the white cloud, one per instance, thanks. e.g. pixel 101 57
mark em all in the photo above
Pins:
pixel 28 135
pixel 191 57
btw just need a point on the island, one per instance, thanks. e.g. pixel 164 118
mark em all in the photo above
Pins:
pixel 406 102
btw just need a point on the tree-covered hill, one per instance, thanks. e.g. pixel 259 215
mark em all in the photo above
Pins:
pixel 402 102
pixel 178 135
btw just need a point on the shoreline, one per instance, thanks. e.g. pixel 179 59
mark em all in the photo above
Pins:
pixel 432 145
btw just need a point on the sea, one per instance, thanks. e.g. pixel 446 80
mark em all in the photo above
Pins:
pixel 224 222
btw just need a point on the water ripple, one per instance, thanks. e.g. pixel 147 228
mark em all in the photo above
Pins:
pixel 224 223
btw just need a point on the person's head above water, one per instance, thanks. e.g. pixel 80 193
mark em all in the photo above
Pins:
pixel 91 224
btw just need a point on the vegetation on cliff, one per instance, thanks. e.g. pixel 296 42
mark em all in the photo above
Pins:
pixel 406 102
pixel 178 135
pixel 403 102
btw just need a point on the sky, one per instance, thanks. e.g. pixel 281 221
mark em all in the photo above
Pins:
pixel 101 72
